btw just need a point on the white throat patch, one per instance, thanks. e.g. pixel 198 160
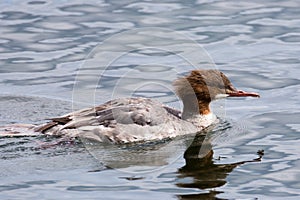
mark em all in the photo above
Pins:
pixel 221 96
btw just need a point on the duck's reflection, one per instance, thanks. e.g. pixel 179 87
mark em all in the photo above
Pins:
pixel 207 173
pixel 201 167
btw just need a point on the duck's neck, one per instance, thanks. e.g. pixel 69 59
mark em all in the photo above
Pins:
pixel 198 113
pixel 193 107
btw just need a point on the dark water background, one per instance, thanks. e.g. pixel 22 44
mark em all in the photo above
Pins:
pixel 43 45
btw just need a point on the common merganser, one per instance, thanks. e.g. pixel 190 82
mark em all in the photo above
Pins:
pixel 141 119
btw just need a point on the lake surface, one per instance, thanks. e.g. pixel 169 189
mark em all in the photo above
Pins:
pixel 58 56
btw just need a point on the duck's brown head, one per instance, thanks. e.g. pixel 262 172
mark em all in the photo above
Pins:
pixel 200 87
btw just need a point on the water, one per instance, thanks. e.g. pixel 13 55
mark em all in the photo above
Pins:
pixel 45 45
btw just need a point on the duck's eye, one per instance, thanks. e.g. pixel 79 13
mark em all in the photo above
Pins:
pixel 230 88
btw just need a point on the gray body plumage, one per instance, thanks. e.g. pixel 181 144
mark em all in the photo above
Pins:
pixel 125 120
